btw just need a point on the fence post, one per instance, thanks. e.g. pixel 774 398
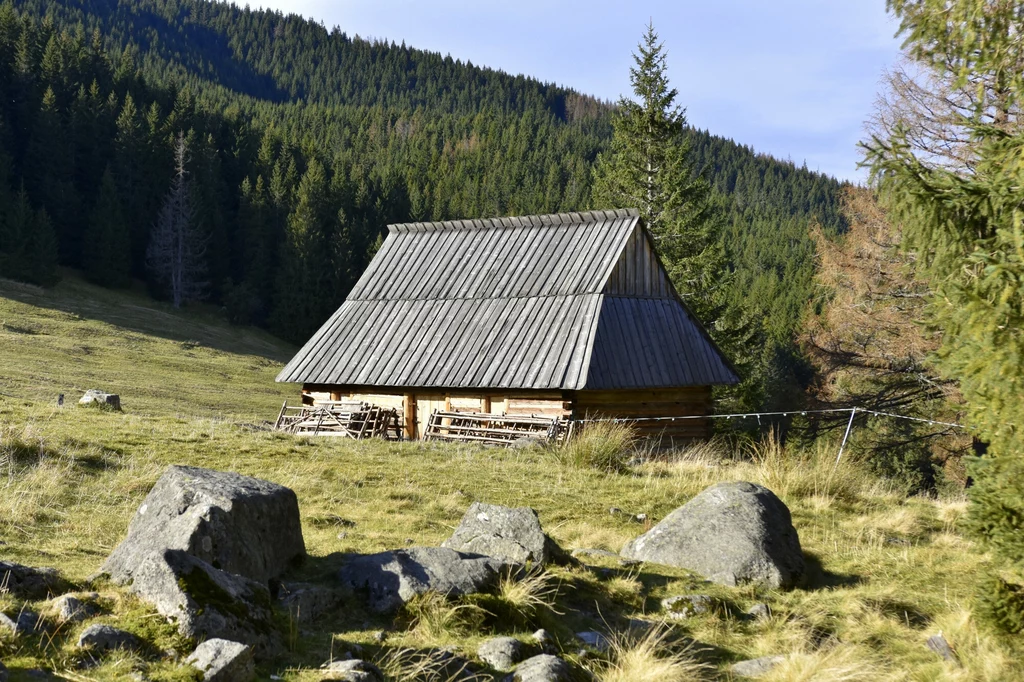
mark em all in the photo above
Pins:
pixel 849 425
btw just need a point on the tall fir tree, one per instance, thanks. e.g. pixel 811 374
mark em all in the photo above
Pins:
pixel 647 168
pixel 107 249
pixel 962 217
pixel 28 245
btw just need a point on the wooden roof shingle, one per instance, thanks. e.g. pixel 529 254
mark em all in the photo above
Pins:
pixel 513 303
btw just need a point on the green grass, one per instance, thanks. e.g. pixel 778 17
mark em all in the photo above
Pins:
pixel 886 571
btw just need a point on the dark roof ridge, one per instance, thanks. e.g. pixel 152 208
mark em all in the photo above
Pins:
pixel 520 221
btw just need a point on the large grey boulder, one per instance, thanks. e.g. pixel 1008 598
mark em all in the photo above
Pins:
pixel 221 660
pixel 393 578
pixel 205 602
pixel 238 524
pixel 26 582
pixel 510 535
pixel 731 533
pixel 542 668
pixel 100 638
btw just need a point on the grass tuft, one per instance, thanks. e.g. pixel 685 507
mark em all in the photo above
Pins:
pixel 652 658
pixel 606 446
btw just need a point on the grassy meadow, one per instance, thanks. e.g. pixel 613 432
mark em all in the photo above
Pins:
pixel 886 571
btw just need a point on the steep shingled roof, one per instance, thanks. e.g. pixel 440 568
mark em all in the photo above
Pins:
pixel 569 301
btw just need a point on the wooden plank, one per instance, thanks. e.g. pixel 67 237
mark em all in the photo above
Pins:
pixel 409 410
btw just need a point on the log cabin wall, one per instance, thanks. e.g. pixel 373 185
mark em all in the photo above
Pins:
pixel 684 402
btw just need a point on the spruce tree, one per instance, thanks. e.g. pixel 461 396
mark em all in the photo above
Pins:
pixel 647 168
pixel 965 223
pixel 108 243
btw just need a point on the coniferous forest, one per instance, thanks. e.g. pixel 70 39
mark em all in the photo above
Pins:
pixel 303 143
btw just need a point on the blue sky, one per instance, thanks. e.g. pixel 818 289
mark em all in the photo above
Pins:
pixel 793 78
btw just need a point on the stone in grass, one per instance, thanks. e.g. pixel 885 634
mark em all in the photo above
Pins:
pixel 542 668
pixel 206 602
pixel 26 582
pixel 96 398
pixel 756 667
pixel 24 623
pixel 501 653
pixel 760 612
pixel 686 606
pixel 235 523
pixel 731 533
pixel 393 578
pixel 71 609
pixel 594 640
pixel 510 535
pixel 545 640
pixel 99 638
pixel 938 644
pixel 354 670
pixel 221 660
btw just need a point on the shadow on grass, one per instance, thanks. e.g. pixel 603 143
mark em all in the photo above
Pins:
pixel 817 577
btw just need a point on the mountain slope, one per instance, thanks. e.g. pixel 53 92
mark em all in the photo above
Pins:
pixel 305 142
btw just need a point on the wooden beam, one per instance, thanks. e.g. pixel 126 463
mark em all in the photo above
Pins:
pixel 409 408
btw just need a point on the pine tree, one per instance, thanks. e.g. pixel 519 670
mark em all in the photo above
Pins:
pixel 647 168
pixel 307 287
pixel 962 216
pixel 28 246
pixel 176 255
pixel 108 244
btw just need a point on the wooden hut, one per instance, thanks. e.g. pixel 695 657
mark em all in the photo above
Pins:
pixel 558 315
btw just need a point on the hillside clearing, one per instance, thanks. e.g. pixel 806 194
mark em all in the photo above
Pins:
pixel 887 571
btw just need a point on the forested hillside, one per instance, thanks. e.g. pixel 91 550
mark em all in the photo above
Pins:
pixel 304 142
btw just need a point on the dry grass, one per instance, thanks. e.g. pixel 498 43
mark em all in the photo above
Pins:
pixel 607 446
pixel 652 658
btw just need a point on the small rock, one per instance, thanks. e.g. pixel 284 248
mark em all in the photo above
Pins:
pixel 614 511
pixel 24 623
pixel 939 645
pixel 586 551
pixel 687 605
pixel 352 671
pixel 100 638
pixel 102 398
pixel 70 609
pixel 594 640
pixel 26 582
pixel 756 667
pixel 223 661
pixel 393 578
pixel 640 518
pixel 501 653
pixel 542 668
pixel 545 641
pixel 513 536
pixel 760 612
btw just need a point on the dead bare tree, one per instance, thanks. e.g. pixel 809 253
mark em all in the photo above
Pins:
pixel 176 254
